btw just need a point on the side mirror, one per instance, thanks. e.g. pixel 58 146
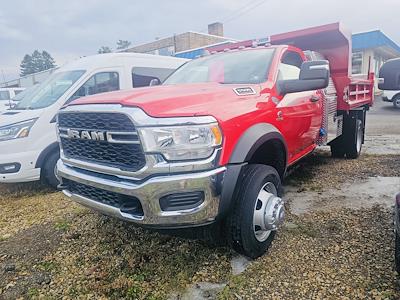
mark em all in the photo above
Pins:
pixel 154 81
pixel 313 75
pixel 390 73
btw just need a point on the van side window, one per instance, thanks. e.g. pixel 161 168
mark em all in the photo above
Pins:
pixel 99 83
pixel 141 76
pixel 289 68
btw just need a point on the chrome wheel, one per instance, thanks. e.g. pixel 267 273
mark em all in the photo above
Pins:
pixel 359 138
pixel 268 212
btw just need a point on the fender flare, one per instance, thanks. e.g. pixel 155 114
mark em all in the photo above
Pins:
pixel 252 139
pixel 42 156
pixel 247 145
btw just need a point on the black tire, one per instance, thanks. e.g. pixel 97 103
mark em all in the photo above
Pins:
pixel 354 139
pixel 48 170
pixel 338 150
pixel 239 224
pixel 397 252
pixel 396 101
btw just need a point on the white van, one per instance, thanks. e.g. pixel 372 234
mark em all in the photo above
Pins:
pixel 28 143
pixel 6 95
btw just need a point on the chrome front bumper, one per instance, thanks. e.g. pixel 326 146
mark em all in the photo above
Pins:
pixel 149 192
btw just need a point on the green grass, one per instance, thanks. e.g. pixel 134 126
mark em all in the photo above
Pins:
pixel 62 225
pixel 48 266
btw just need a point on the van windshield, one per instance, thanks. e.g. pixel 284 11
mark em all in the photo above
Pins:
pixel 249 66
pixel 27 91
pixel 49 91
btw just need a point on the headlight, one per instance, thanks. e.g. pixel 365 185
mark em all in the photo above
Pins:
pixel 181 142
pixel 17 130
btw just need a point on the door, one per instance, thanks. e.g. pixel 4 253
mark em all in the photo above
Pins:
pixel 298 114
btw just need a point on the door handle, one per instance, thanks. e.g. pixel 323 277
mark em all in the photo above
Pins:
pixel 314 99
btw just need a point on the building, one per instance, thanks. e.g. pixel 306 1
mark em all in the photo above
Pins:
pixel 184 41
pixel 370 50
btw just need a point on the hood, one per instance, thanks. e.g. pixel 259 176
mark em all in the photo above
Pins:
pixel 179 100
pixel 14 116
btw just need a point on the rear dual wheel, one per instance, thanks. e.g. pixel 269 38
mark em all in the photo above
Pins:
pixel 350 143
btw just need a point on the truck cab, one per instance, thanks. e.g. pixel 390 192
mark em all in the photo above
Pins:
pixel 28 142
pixel 208 149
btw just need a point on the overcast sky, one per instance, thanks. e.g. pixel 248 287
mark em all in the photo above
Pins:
pixel 73 28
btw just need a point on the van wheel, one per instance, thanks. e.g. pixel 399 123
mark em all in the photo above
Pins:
pixel 257 211
pixel 396 101
pixel 355 139
pixel 50 170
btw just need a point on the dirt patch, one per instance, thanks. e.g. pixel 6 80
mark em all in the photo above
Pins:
pixel 103 257
pixel 23 265
pixel 320 171
pixel 361 194
pixel 25 205
pixel 326 255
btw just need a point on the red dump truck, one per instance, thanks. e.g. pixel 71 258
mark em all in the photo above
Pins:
pixel 207 150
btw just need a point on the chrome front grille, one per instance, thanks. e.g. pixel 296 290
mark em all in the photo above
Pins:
pixel 119 146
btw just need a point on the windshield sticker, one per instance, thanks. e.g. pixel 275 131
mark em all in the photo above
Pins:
pixel 244 91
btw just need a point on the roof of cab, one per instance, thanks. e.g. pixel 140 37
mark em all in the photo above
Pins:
pixel 99 60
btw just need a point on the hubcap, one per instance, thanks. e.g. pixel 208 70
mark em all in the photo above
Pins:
pixel 397 102
pixel 268 212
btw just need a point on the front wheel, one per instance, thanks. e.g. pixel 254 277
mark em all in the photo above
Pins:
pixel 257 211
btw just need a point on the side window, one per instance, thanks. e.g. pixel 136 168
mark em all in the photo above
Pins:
pixel 141 76
pixel 289 67
pixel 99 83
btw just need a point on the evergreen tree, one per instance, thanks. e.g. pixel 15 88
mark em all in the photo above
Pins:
pixel 37 62
pixel 26 65
pixel 48 60
pixel 104 49
pixel 121 44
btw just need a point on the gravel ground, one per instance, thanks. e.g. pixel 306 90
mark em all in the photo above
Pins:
pixel 52 248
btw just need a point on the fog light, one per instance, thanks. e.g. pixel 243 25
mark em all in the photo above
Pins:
pixel 9 168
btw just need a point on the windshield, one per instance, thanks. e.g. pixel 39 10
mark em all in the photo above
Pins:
pixel 49 91
pixel 21 95
pixel 250 66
